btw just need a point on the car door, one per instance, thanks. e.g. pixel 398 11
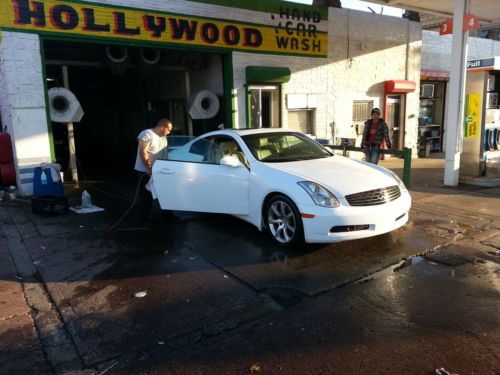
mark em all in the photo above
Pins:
pixel 194 180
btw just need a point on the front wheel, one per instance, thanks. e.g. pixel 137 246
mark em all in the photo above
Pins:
pixel 283 220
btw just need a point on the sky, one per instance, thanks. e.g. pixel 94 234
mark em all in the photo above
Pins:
pixel 363 5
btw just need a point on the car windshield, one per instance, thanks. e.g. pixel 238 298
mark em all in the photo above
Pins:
pixel 284 147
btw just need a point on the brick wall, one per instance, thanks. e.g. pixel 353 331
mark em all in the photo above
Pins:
pixel 436 55
pixel 203 9
pixel 436 50
pixel 364 51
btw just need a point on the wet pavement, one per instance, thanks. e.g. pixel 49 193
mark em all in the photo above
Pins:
pixel 210 294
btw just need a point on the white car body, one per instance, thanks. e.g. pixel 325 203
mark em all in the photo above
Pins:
pixel 241 190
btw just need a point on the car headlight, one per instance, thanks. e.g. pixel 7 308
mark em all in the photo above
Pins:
pixel 398 180
pixel 320 195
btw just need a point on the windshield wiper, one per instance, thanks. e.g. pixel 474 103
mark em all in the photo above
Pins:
pixel 314 157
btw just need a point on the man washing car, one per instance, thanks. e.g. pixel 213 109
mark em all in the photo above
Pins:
pixel 152 146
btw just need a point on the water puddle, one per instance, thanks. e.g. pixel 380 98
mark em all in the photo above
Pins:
pixel 391 269
pixel 409 262
pixel 285 297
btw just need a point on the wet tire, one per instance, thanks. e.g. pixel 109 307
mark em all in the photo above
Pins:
pixel 283 221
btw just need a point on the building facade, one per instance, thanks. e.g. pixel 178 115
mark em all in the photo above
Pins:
pixel 435 74
pixel 201 63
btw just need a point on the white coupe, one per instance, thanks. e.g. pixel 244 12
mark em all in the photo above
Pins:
pixel 284 182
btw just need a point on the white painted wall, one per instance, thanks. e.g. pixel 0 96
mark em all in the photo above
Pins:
pixel 210 78
pixel 22 104
pixel 364 51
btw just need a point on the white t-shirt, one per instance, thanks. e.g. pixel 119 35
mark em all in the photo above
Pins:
pixel 157 148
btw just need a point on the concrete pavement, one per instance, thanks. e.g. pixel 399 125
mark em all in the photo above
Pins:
pixel 20 348
pixel 220 298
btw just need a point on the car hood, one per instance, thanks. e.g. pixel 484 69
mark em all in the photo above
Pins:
pixel 339 174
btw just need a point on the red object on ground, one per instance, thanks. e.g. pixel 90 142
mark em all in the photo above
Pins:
pixel 7 170
pixel 6 155
pixel 7 173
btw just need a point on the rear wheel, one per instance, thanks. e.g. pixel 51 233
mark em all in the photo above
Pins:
pixel 283 220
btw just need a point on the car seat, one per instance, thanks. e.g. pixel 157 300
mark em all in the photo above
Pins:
pixel 262 150
pixel 231 148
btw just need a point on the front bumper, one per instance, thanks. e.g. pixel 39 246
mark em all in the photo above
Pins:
pixel 380 219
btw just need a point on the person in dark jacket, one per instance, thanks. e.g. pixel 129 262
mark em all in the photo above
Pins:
pixel 375 132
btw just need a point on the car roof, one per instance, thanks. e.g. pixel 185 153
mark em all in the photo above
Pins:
pixel 243 132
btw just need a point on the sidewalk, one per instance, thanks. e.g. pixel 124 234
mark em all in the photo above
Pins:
pixel 20 349
pixel 77 287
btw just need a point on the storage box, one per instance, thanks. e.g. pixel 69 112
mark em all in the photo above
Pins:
pixel 49 205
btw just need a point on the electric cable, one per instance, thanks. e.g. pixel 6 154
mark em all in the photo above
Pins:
pixel 112 228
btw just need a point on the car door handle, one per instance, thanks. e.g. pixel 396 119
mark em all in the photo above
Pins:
pixel 166 171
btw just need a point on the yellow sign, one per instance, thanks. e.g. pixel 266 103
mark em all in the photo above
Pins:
pixel 295 34
pixel 472 109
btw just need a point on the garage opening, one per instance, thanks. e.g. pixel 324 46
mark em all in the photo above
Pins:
pixel 123 90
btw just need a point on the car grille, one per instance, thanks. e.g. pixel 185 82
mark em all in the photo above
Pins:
pixel 349 228
pixel 374 197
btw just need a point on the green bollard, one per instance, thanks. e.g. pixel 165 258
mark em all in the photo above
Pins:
pixel 407 166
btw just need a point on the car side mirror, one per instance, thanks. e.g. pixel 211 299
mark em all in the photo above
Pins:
pixel 230 161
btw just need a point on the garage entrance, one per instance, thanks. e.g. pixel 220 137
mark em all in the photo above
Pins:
pixel 123 90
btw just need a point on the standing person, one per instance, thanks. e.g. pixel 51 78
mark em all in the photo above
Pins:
pixel 375 132
pixel 152 146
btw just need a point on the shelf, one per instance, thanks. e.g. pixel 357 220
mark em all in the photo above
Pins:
pixel 432 137
pixel 428 126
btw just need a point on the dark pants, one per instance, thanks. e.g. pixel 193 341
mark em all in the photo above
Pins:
pixel 146 199
pixel 372 154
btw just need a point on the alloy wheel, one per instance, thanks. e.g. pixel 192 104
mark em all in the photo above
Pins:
pixel 281 221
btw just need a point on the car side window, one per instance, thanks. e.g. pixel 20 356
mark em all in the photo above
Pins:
pixel 209 150
pixel 199 147
pixel 199 151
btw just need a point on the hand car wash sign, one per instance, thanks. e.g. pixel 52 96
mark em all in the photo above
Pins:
pixel 86 20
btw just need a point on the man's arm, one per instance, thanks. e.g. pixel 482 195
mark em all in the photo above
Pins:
pixel 143 154
pixel 365 134
pixel 386 136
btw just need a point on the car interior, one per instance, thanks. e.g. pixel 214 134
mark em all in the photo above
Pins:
pixel 231 148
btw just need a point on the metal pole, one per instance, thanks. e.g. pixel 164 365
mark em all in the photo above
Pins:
pixel 71 135
pixel 454 131
pixel 407 166
pixel 188 98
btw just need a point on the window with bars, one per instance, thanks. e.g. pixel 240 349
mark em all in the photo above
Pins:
pixel 361 110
